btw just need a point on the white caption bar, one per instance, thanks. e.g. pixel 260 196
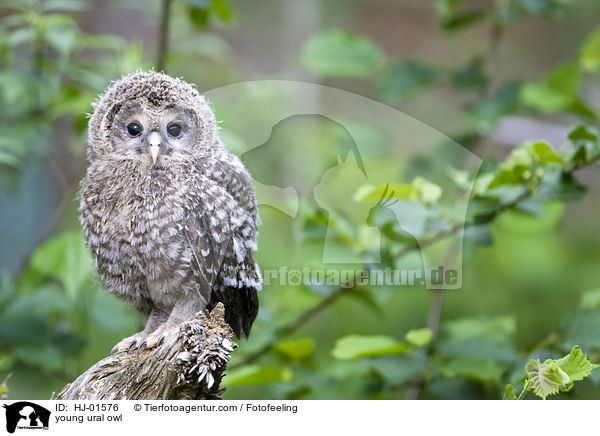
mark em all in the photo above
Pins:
pixel 91 418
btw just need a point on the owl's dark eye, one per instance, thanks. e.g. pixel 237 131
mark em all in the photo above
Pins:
pixel 134 129
pixel 174 130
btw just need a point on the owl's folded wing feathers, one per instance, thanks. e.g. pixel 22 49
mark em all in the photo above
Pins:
pixel 221 232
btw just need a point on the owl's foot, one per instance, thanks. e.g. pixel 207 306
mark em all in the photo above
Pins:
pixel 158 336
pixel 133 341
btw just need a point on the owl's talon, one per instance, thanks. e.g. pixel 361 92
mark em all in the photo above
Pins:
pixel 156 338
pixel 142 345
pixel 127 344
pixel 120 348
pixel 152 341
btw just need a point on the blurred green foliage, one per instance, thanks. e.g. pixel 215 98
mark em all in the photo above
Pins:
pixel 47 75
pixel 516 321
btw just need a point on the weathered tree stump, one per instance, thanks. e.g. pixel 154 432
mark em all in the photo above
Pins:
pixel 185 366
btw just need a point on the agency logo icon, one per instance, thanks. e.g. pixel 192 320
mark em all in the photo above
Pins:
pixel 26 415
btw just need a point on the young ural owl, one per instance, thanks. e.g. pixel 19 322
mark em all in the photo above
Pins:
pixel 169 215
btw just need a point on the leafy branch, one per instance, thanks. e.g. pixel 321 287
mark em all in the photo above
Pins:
pixel 532 174
pixel 554 375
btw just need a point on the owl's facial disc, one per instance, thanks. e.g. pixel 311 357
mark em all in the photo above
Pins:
pixel 153 134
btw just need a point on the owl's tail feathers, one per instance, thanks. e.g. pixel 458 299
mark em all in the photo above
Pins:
pixel 241 308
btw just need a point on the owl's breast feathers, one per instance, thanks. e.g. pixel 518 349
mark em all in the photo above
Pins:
pixel 188 228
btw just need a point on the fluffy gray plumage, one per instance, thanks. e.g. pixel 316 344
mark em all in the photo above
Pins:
pixel 173 235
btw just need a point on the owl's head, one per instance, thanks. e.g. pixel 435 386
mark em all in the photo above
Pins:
pixel 152 117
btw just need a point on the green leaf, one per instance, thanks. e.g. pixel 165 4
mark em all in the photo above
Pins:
pixel 256 375
pixel 7 362
pixel 355 346
pixel 556 91
pixel 477 369
pixel 520 156
pixel 420 189
pixel 339 53
pixel 461 178
pixel 223 10
pixel 547 378
pixel 426 191
pixel 583 133
pixel 565 78
pixel 445 8
pixel 578 107
pixel 45 356
pixel 544 99
pixel 521 165
pixel 488 111
pixel 65 257
pixel 559 186
pixel 589 55
pixel 576 364
pixel 46 301
pixel 392 190
pixel 9 160
pixel 472 77
pixel 296 350
pixel 585 145
pixel 510 175
pixel 16 331
pixel 478 234
pixel 62 39
pixel 403 79
pixel 49 21
pixel 396 370
pixel 463 19
pixel 21 36
pixel 496 329
pixel 509 393
pixel 582 327
pixel 110 314
pixel 478 348
pixel 545 152
pixel 71 101
pixel 419 337
pixel 590 299
pixel 198 16
pixel 200 12
pixel 539 7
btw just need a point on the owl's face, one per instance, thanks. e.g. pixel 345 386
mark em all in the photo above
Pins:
pixel 153 119
pixel 154 135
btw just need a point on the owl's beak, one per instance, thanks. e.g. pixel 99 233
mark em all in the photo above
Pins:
pixel 154 139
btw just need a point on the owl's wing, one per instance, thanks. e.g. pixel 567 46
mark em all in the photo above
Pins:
pixel 221 233
pixel 209 242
